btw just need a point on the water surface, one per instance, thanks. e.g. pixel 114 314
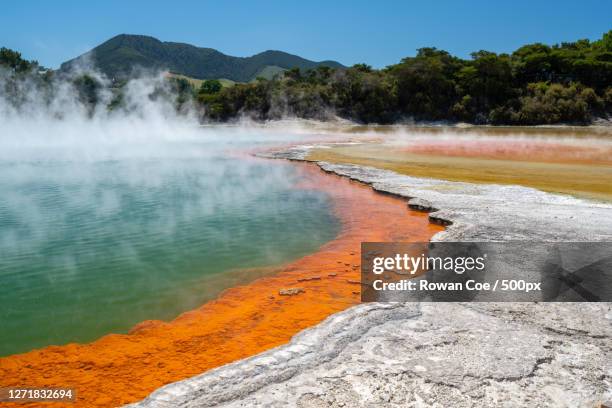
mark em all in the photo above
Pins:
pixel 95 239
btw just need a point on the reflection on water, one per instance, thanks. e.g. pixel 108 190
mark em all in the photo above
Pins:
pixel 95 246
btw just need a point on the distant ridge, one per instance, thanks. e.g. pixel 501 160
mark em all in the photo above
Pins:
pixel 118 56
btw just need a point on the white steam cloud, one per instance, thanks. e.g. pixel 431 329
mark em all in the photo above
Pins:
pixel 51 140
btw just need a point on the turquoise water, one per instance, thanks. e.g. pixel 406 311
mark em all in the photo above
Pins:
pixel 94 246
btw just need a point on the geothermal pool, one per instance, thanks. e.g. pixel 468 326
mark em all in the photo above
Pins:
pixel 106 233
pixel 570 161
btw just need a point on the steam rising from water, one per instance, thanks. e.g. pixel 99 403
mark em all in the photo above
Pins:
pixel 108 218
pixel 111 218
pixel 56 142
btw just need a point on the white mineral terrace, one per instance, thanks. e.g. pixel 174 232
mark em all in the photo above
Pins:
pixel 437 354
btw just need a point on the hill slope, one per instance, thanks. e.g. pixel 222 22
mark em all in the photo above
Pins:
pixel 121 54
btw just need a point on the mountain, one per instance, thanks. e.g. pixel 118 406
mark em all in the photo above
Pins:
pixel 118 56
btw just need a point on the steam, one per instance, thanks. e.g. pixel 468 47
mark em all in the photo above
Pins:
pixel 89 156
pixel 45 119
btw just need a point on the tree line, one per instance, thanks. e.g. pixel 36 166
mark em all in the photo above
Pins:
pixel 536 84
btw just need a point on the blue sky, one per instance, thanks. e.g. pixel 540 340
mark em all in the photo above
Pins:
pixel 375 32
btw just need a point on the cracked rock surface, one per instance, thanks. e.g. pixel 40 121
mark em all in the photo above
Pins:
pixel 422 355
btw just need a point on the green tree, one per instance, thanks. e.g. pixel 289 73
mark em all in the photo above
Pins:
pixel 210 86
pixel 12 59
pixel 425 83
pixel 293 74
pixel 484 83
pixel 88 89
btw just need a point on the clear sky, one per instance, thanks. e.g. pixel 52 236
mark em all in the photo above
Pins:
pixel 375 32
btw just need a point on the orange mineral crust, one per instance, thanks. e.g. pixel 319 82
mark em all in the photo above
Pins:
pixel 242 321
pixel 522 150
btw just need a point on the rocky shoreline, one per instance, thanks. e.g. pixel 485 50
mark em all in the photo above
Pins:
pixel 428 354
pixel 483 212
pixel 272 305
pixel 437 354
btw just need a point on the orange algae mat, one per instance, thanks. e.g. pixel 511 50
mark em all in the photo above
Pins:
pixel 523 150
pixel 242 321
pixel 553 167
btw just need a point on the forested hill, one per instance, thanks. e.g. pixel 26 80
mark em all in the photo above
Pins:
pixel 569 83
pixel 118 56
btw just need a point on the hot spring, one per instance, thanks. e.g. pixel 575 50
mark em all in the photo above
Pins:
pixel 104 225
